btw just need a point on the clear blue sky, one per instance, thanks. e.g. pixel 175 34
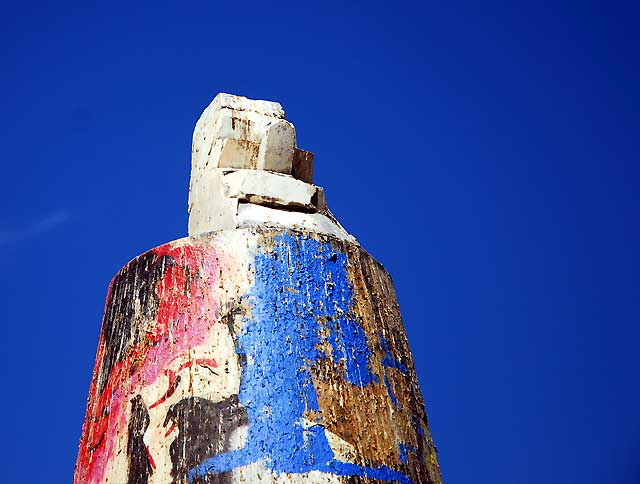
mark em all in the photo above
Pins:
pixel 485 152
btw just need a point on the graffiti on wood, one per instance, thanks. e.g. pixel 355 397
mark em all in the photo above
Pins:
pixel 254 356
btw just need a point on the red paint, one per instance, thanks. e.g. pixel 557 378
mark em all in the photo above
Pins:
pixel 208 362
pixel 183 292
pixel 171 429
pixel 150 457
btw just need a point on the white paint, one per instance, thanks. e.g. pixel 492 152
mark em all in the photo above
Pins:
pixel 258 472
pixel 277 147
pixel 250 215
pixel 246 171
pixel 272 188
pixel 237 118
pixel 209 209
pixel 241 103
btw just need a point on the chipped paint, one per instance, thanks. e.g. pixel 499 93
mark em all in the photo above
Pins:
pixel 254 355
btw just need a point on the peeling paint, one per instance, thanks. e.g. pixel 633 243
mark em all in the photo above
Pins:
pixel 254 355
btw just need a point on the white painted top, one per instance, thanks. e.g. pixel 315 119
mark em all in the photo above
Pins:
pixel 246 170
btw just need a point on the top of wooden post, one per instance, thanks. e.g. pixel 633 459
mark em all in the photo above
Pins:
pixel 236 132
pixel 246 170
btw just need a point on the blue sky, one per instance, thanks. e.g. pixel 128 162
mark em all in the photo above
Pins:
pixel 486 153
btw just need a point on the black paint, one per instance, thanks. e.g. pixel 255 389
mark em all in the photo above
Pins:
pixel 205 429
pixel 139 466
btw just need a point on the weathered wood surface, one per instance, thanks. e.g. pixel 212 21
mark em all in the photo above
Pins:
pixel 254 355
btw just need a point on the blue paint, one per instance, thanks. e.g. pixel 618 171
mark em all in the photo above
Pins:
pixel 390 391
pixel 404 451
pixel 301 298
pixel 349 344
pixel 389 360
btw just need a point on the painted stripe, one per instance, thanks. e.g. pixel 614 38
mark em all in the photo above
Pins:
pixel 301 298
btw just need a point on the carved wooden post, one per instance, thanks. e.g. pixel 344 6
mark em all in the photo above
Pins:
pixel 265 347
